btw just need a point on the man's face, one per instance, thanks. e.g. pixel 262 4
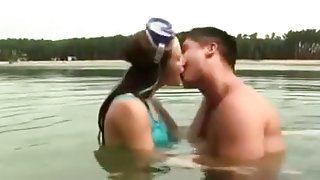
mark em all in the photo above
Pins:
pixel 194 57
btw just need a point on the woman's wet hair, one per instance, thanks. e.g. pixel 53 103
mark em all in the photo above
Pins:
pixel 143 74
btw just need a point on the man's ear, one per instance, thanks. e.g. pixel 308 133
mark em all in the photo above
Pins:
pixel 211 49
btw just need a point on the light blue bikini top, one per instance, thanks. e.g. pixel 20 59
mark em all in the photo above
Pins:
pixel 159 130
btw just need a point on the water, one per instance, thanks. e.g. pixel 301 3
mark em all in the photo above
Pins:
pixel 48 119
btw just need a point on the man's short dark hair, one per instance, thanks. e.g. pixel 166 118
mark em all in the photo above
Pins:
pixel 226 43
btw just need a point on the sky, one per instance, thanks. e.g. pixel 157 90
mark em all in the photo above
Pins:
pixel 62 19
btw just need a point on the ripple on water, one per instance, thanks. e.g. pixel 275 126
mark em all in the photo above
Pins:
pixel 33 127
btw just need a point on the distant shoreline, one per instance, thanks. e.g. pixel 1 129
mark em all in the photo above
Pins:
pixel 240 61
pixel 289 61
pixel 120 64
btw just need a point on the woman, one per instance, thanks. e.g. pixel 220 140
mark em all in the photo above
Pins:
pixel 130 117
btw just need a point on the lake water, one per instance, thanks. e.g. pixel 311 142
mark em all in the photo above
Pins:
pixel 48 119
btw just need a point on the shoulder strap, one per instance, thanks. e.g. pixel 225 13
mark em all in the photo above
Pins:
pixel 125 96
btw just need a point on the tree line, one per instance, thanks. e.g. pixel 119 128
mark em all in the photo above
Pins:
pixel 304 44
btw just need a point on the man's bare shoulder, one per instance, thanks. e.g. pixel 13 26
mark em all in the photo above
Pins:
pixel 234 107
pixel 247 102
pixel 237 99
pixel 262 103
pixel 242 103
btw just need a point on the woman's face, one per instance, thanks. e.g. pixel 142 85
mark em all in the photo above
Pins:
pixel 171 74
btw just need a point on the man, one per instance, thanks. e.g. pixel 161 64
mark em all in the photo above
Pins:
pixel 234 125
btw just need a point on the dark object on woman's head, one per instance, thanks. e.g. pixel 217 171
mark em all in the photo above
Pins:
pixel 160 34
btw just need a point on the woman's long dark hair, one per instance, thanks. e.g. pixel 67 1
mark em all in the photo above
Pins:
pixel 142 74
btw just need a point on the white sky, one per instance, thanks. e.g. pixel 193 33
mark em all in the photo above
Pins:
pixel 60 19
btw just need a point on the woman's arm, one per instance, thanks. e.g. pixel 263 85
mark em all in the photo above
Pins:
pixel 131 120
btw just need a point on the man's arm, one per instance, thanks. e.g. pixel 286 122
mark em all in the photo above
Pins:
pixel 197 122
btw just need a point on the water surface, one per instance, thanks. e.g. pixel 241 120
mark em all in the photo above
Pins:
pixel 48 119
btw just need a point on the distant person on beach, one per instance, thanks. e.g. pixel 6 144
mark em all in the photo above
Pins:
pixel 131 117
pixel 234 125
